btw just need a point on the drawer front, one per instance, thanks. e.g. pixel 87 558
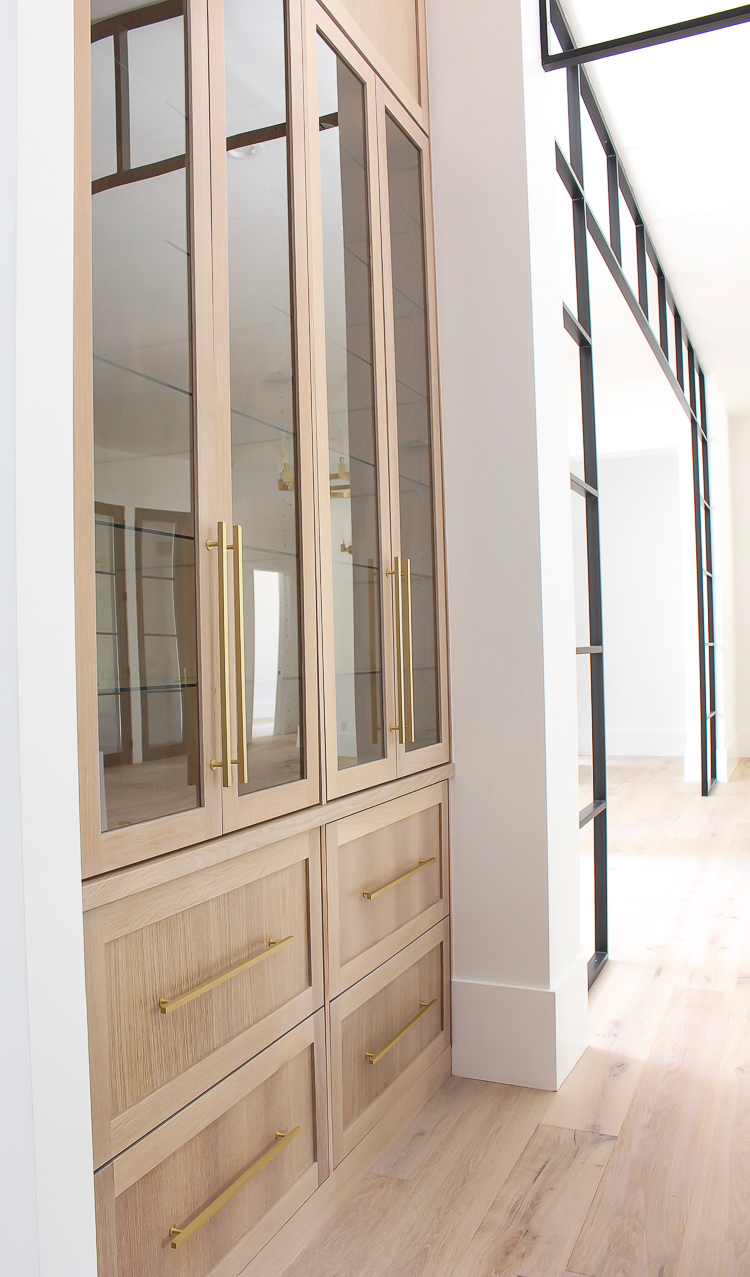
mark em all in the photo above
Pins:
pixel 384 1032
pixel 387 872
pixel 191 978
pixel 206 1191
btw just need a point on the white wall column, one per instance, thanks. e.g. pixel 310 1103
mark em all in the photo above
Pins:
pixel 520 988
pixel 46 1187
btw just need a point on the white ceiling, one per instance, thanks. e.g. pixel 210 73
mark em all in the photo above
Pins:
pixel 679 117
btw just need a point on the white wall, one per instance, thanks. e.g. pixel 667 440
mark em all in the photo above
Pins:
pixel 46 1189
pixel 642 604
pixel 519 979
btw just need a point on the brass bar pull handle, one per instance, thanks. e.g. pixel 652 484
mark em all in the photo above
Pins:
pixel 373 895
pixel 166 1005
pixel 373 1057
pixel 409 646
pixel 225 762
pixel 179 1236
pixel 239 656
pixel 399 726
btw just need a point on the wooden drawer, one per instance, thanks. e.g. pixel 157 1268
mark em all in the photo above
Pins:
pixel 387 874
pixel 384 1032
pixel 172 940
pixel 223 1145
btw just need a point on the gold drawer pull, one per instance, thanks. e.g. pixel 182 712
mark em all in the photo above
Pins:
pixel 181 1235
pixel 171 1004
pixel 373 895
pixel 373 1058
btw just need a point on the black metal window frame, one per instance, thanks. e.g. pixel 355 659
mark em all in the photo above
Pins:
pixel 572 56
pixel 668 337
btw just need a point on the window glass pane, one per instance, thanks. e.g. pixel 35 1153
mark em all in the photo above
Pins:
pixel 580 569
pixel 557 88
pixel 567 249
pixel 103 128
pixel 595 172
pixel 653 295
pixel 405 206
pixel 573 403
pixel 263 387
pixel 588 914
pixel 629 250
pixel 585 771
pixel 352 443
pixel 143 441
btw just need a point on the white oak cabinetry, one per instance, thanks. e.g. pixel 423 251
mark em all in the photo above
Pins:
pixel 262 664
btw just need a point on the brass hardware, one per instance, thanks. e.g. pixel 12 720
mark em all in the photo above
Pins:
pixel 399 726
pixel 226 760
pixel 239 657
pixel 286 479
pixel 409 645
pixel 373 895
pixel 173 1004
pixel 345 549
pixel 373 1058
pixel 178 1236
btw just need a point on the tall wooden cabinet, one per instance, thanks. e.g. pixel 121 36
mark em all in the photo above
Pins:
pixel 262 663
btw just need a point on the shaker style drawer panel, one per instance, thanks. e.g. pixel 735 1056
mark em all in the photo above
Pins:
pixel 384 1032
pixel 387 871
pixel 190 978
pixel 201 1195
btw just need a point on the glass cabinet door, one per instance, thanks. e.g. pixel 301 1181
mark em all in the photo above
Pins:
pixel 350 401
pixel 262 359
pixel 416 475
pixel 147 379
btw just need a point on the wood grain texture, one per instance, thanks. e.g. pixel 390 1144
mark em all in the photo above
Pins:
pixel 391 25
pixel 171 939
pixel 368 1015
pixel 370 850
pixel 532 1225
pixel 717 1237
pixel 124 882
pixel 597 1094
pixel 638 1217
pixel 174 1173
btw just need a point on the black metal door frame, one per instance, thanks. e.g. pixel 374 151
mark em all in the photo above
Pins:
pixel 684 375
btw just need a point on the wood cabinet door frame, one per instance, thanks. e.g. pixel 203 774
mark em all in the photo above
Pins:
pixel 348 780
pixel 240 811
pixel 111 849
pixel 411 761
pixel 345 1139
pixel 113 1132
pixel 117 1176
pixel 341 975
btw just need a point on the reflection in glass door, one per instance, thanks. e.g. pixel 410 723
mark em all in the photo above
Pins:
pixel 143 416
pixel 263 389
pixel 354 497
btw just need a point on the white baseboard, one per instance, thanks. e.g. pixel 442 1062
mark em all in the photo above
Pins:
pixel 645 742
pixel 520 1036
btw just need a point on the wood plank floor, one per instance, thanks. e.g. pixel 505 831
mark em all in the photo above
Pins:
pixel 640 1165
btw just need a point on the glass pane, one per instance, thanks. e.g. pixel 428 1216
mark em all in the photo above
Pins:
pixel 263 386
pixel 580 569
pixel 588 913
pixel 629 247
pixel 573 404
pixel 414 423
pixel 567 249
pixel 352 439
pixel 595 172
pixel 143 432
pixel 585 767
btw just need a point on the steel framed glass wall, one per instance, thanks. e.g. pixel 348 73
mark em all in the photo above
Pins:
pixel 628 251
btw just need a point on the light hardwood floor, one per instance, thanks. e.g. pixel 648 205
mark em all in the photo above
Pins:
pixel 640 1165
